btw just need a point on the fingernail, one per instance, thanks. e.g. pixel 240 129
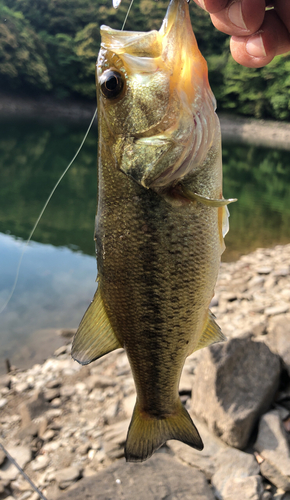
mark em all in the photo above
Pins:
pixel 236 16
pixel 255 46
pixel 201 4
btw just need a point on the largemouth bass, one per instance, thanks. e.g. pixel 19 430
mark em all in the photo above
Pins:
pixel 160 220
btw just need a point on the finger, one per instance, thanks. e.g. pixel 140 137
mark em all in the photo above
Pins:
pixel 283 10
pixel 240 17
pixel 212 6
pixel 259 49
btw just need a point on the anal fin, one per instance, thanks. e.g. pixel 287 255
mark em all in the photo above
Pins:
pixel 94 337
pixel 211 334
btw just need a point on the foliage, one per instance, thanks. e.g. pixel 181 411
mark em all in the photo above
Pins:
pixel 21 50
pixel 51 46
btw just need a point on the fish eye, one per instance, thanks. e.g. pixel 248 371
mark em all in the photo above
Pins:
pixel 112 83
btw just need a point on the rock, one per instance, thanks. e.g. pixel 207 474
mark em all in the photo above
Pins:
pixel 278 332
pixel 233 464
pixel 20 453
pixel 66 477
pixel 41 462
pixel 264 270
pixel 51 394
pixel 161 477
pixel 185 384
pixel 21 387
pixel 117 433
pixel 67 391
pixel 128 404
pixel 67 332
pixel 33 408
pixel 99 381
pixel 52 384
pixel 61 350
pixel 203 460
pixel 272 445
pixel 84 448
pixel 279 309
pixel 3 402
pixel 29 431
pixel 48 435
pixel 243 488
pixel 111 411
pixel 2 456
pixel 5 381
pixel 239 378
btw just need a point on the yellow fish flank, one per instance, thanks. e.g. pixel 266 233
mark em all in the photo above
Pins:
pixel 160 221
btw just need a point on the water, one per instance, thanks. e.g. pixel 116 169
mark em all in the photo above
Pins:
pixel 57 276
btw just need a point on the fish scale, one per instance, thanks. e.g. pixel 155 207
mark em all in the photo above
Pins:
pixel 160 221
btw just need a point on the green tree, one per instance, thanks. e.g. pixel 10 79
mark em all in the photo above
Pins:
pixel 21 53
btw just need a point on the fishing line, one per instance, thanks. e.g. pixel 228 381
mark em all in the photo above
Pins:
pixel 12 460
pixel 128 11
pixel 53 191
pixel 22 472
pixel 43 209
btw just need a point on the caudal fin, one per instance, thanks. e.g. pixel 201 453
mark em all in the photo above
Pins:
pixel 147 434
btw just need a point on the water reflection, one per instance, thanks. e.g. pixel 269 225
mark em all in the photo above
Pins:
pixel 260 179
pixel 57 276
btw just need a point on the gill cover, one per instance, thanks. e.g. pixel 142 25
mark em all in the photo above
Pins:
pixel 163 122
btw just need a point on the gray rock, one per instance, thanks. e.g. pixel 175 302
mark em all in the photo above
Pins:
pixel 273 446
pixel 160 477
pixel 279 309
pixel 20 453
pixel 100 381
pixel 3 402
pixel 34 408
pixel 41 462
pixel 234 384
pixel 279 332
pixel 203 460
pixel 66 477
pixel 243 488
pixel 232 464
pixel 2 457
pixel 51 394
pixel 67 391
pixel 264 270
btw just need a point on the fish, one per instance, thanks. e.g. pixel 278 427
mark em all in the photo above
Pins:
pixel 161 220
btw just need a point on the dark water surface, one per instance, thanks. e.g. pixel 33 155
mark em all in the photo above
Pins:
pixel 58 271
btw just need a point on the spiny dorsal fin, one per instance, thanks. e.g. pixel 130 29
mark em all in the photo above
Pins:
pixel 211 334
pixel 94 337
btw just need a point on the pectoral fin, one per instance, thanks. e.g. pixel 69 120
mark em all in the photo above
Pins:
pixel 190 195
pixel 211 334
pixel 94 337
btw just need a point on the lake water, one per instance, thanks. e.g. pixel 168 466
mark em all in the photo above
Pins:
pixel 57 276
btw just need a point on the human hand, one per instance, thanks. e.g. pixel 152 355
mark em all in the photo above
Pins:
pixel 258 35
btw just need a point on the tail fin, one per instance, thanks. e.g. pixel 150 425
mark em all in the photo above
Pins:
pixel 146 434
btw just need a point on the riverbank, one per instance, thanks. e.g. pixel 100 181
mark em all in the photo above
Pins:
pixel 234 128
pixel 66 425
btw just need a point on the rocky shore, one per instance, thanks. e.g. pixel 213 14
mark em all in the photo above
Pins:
pixel 66 425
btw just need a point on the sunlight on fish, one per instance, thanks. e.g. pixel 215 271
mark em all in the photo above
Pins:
pixel 160 222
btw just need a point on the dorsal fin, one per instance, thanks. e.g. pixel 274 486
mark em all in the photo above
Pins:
pixel 94 337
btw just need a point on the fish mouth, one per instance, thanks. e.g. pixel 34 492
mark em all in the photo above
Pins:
pixel 171 134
